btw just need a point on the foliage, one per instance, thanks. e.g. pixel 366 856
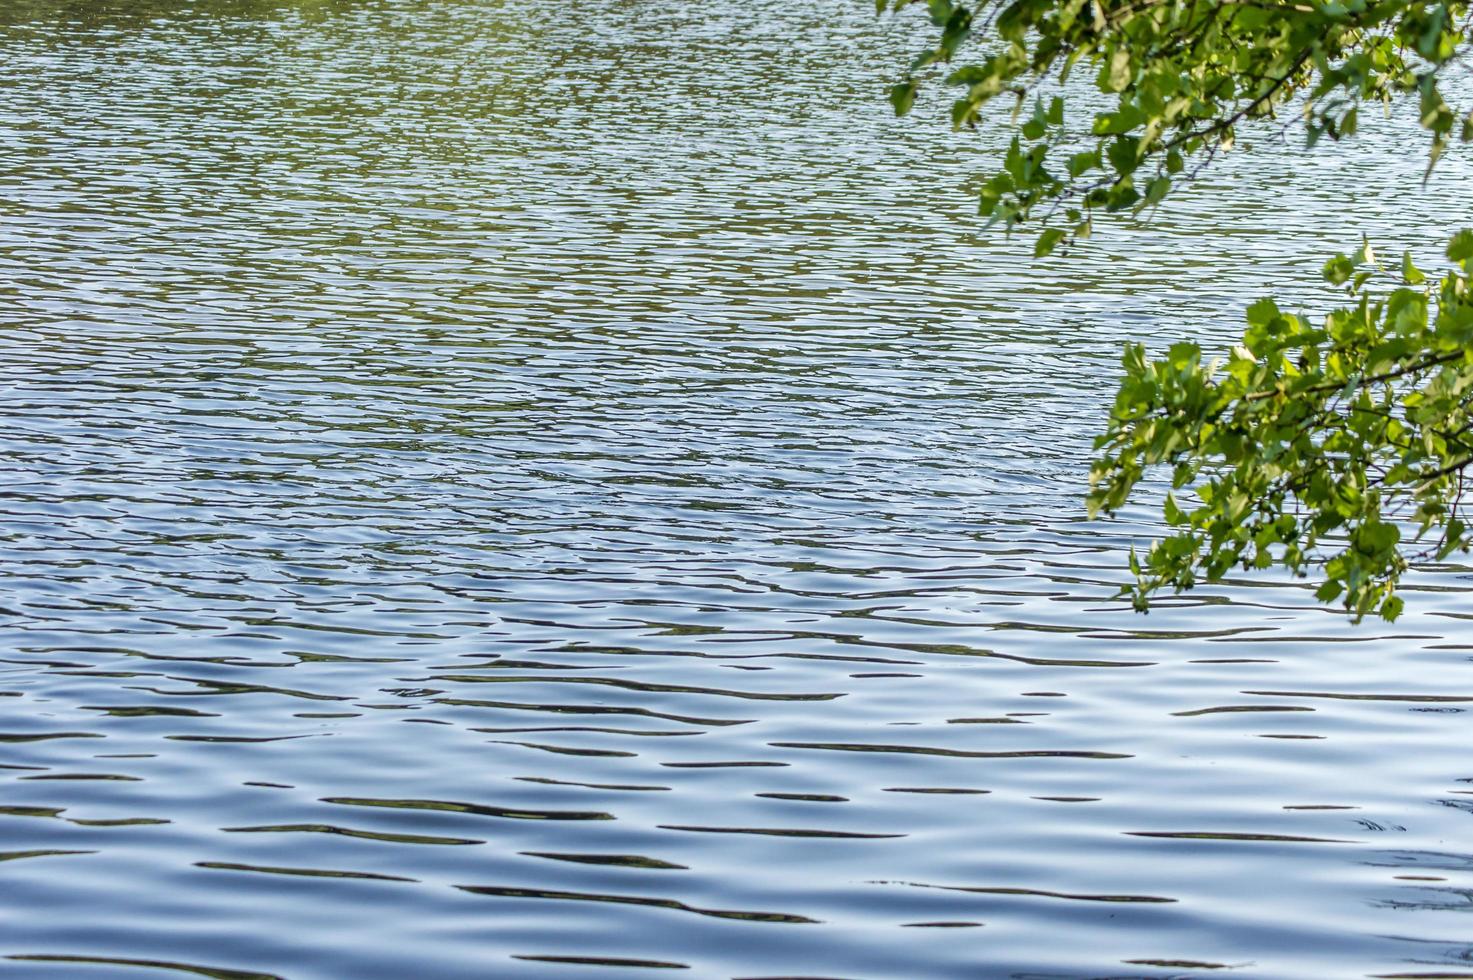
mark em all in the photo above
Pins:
pixel 1180 78
pixel 1308 439
pixel 1310 446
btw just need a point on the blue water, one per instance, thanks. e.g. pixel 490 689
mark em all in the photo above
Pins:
pixel 509 489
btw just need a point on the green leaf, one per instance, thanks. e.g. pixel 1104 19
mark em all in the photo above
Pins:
pixel 1081 162
pixel 1047 242
pixel 1173 512
pixel 1339 270
pixel 1455 538
pixel 1262 313
pixel 1460 249
pixel 1124 154
pixel 1409 272
pixel 1122 121
pixel 1118 72
pixel 903 96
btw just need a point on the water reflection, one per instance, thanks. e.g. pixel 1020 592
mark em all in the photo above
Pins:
pixel 495 489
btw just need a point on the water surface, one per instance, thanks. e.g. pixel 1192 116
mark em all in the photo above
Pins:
pixel 515 489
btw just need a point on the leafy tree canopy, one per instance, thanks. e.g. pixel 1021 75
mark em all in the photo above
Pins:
pixel 1180 78
pixel 1311 444
pixel 1327 447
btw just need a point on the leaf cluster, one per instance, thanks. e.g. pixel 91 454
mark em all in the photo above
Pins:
pixel 1310 443
pixel 1180 78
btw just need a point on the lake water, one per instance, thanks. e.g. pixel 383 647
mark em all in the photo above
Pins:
pixel 519 489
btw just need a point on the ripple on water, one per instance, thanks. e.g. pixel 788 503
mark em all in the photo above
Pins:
pixel 494 490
